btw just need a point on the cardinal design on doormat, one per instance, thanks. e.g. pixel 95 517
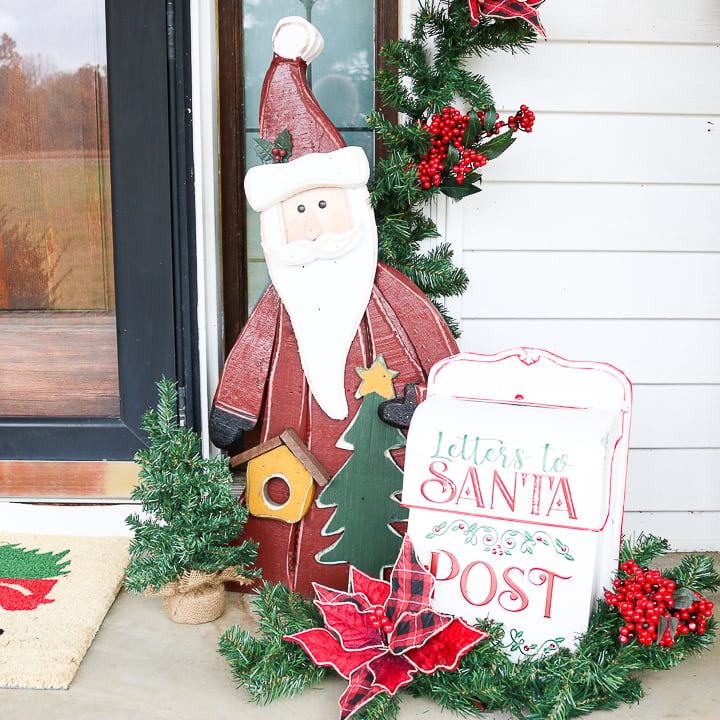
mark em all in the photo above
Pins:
pixel 28 576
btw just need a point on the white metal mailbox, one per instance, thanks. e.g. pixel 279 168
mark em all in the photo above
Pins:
pixel 515 480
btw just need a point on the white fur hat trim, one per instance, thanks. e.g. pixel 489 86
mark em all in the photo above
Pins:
pixel 294 37
pixel 267 185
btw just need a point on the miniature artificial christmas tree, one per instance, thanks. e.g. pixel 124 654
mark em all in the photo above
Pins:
pixel 181 541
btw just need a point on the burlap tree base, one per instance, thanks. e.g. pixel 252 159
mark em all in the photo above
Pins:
pixel 198 597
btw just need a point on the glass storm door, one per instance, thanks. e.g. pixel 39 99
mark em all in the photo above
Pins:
pixel 88 301
pixel 57 289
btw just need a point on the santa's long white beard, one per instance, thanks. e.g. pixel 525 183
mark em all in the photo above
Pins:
pixel 326 298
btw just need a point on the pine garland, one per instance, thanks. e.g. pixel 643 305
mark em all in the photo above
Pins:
pixel 190 516
pixel 598 675
pixel 421 76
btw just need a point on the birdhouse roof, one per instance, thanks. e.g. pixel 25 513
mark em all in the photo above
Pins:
pixel 297 447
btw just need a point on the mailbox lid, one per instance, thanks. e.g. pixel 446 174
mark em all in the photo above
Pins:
pixel 543 465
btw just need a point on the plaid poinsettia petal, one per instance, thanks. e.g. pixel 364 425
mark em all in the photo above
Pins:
pixel 350 625
pixel 525 9
pixel 376 591
pixel 392 672
pixel 327 595
pixel 359 692
pixel 411 585
pixel 413 629
pixel 444 650
pixel 325 649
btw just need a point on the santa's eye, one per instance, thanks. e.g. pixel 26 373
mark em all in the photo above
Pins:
pixel 301 208
pixel 322 204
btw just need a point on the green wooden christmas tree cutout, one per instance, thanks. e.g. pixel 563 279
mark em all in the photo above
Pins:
pixel 364 491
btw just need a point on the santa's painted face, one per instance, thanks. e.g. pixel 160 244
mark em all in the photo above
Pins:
pixel 321 250
pixel 316 212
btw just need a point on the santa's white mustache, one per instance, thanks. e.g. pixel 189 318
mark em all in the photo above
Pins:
pixel 301 252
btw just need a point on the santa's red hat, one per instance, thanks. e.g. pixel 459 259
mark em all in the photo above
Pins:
pixel 319 157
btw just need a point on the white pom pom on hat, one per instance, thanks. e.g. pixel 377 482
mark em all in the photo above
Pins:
pixel 294 37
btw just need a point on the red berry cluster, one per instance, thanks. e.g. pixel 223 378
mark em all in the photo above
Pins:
pixel 278 154
pixel 524 119
pixel 643 597
pixel 448 127
pixel 379 620
pixel 445 128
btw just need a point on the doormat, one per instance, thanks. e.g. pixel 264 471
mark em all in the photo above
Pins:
pixel 55 591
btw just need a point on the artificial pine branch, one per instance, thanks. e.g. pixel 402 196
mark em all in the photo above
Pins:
pixel 381 707
pixel 189 514
pixel 421 76
pixel 698 573
pixel 599 675
pixel 643 549
pixel 267 666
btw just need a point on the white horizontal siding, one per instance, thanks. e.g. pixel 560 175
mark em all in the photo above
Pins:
pixel 606 78
pixel 598 235
pixel 676 416
pixel 685 530
pixel 574 147
pixel 639 347
pixel 590 216
pixel 677 479
pixel 592 285
pixel 640 21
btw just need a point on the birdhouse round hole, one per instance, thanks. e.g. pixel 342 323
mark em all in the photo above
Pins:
pixel 277 491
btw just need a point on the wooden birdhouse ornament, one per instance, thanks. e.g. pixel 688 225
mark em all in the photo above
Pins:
pixel 281 478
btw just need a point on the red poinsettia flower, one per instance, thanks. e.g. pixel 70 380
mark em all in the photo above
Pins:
pixel 379 634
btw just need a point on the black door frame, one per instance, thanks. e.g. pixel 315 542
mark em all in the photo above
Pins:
pixel 154 242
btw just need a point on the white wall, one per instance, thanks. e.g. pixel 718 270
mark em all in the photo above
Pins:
pixel 597 237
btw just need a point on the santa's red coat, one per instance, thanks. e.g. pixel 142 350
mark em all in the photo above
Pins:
pixel 263 381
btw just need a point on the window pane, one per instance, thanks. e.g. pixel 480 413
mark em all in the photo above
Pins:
pixel 341 79
pixel 58 354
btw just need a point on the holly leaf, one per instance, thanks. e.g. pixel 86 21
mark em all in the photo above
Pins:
pixel 263 149
pixel 683 598
pixel 497 146
pixel 284 142
pixel 473 129
pixel 490 120
pixel 474 177
pixel 458 192
pixel 664 623
pixel 452 159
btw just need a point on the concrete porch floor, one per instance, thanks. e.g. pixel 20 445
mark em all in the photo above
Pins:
pixel 145 667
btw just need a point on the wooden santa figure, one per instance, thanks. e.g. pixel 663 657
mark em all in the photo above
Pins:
pixel 334 335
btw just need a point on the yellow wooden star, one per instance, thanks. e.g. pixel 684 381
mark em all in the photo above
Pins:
pixel 377 378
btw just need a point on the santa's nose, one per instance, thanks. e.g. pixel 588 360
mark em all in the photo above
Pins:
pixel 312 227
